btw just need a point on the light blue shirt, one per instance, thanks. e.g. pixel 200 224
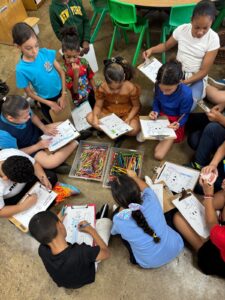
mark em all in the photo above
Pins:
pixel 40 73
pixel 147 253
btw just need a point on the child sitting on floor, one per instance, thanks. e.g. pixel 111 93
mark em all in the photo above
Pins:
pixel 172 99
pixel 70 266
pixel 20 128
pixel 117 95
pixel 139 220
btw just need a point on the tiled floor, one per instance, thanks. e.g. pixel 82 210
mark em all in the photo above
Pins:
pixel 22 274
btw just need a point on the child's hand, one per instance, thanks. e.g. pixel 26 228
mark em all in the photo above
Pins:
pixel 76 69
pixel 55 107
pixel 147 53
pixel 218 107
pixel 153 115
pixel 95 121
pixel 215 116
pixel 50 129
pixel 44 180
pixel 174 125
pixel 62 101
pixel 84 226
pixel 131 173
pixel 29 201
pixel 209 169
pixel 127 120
pixel 207 189
pixel 43 144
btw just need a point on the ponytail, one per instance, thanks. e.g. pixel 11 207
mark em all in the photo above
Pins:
pixel 127 194
pixel 70 39
pixel 117 69
pixel 138 216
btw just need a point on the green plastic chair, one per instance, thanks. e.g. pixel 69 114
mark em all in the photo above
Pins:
pixel 180 14
pixel 219 19
pixel 100 7
pixel 124 17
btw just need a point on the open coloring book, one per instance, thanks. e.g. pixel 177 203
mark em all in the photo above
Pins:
pixel 156 129
pixel 194 213
pixel 66 133
pixel 75 214
pixel 113 126
pixel 150 68
pixel 79 116
pixel 177 177
pixel 45 198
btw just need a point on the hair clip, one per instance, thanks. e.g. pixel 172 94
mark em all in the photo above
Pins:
pixel 124 61
pixel 113 60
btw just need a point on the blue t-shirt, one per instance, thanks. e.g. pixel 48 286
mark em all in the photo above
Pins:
pixel 40 73
pixel 147 253
pixel 176 104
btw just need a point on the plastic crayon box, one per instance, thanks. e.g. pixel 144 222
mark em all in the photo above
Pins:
pixel 121 159
pixel 90 161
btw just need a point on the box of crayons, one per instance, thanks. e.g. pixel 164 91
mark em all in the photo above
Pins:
pixel 90 161
pixel 119 161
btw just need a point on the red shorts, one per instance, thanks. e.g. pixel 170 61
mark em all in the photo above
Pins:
pixel 180 131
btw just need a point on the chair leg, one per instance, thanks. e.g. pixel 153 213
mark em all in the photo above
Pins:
pixel 125 36
pixel 148 40
pixel 219 19
pixel 93 19
pixel 112 41
pixel 94 35
pixel 137 51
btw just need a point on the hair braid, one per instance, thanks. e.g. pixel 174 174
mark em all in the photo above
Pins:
pixel 141 222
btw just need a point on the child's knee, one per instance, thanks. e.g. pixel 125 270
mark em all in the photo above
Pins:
pixel 89 118
pixel 158 155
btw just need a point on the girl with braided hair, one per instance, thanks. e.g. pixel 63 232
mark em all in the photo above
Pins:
pixel 117 95
pixel 140 221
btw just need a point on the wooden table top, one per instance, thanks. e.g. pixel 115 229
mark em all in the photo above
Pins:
pixel 160 3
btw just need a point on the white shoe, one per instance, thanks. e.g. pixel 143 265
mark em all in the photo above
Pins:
pixel 140 138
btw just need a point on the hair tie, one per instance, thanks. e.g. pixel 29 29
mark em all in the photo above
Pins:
pixel 134 206
pixel 113 60
pixel 4 99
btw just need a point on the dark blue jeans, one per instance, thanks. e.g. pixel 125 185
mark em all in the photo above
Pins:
pixel 205 138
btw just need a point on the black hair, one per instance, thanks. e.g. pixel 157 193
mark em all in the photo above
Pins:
pixel 12 105
pixel 204 8
pixel 22 32
pixel 170 73
pixel 18 169
pixel 42 226
pixel 117 69
pixel 125 191
pixel 4 89
pixel 70 39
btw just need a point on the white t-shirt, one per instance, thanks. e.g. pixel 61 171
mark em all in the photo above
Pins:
pixel 9 188
pixel 191 50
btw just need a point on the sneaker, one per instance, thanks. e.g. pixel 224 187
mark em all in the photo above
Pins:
pixel 193 165
pixel 63 169
pixel 84 134
pixel 140 138
pixel 220 84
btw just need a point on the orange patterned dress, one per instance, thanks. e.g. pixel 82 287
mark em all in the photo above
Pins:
pixel 118 103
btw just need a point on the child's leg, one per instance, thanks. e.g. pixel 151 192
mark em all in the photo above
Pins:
pixel 219 202
pixel 53 160
pixel 135 124
pixel 214 95
pixel 187 232
pixel 162 149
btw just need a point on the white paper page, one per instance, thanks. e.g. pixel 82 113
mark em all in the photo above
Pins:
pixel 151 128
pixel 194 213
pixel 177 177
pixel 66 133
pixel 91 58
pixel 75 214
pixel 45 198
pixel 150 68
pixel 113 126
pixel 158 189
pixel 79 116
